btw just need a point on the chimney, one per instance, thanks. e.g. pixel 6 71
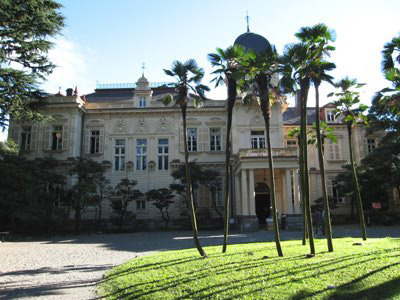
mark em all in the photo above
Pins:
pixel 297 101
pixel 69 92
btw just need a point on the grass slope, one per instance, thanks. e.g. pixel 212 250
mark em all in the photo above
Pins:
pixel 370 271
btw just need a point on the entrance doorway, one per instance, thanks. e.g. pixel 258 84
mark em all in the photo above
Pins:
pixel 263 203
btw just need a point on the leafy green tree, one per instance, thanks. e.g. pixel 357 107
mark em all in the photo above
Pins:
pixel 227 71
pixel 384 112
pixel 352 116
pixel 297 67
pixel 103 192
pixel 188 76
pixel 262 68
pixel 84 171
pixel 126 193
pixel 208 178
pixel 25 29
pixel 161 199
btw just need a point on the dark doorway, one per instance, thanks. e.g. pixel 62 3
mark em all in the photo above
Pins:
pixel 263 208
pixel 263 202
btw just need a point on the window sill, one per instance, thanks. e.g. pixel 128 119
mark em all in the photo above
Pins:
pixel 55 151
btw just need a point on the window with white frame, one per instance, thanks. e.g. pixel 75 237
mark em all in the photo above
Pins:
pixel 142 102
pixel 334 150
pixel 192 139
pixel 119 155
pixel 215 139
pixel 140 204
pixel 257 139
pixel 141 154
pixel 291 143
pixel 56 137
pixel 330 116
pixel 94 141
pixel 26 134
pixel 371 145
pixel 163 154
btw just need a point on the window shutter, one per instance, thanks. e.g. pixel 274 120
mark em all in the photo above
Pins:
pixel 15 133
pixel 181 141
pixel 223 139
pixel 87 141
pixel 65 137
pixel 101 141
pixel 46 137
pixel 200 139
pixel 206 139
pixel 34 134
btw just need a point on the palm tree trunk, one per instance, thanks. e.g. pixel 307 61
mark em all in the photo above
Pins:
pixel 322 171
pixel 231 103
pixel 356 186
pixel 189 194
pixel 265 109
pixel 303 206
pixel 306 182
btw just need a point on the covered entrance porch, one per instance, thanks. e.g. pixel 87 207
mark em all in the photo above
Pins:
pixel 252 191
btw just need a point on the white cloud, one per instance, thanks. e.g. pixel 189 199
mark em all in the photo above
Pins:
pixel 71 60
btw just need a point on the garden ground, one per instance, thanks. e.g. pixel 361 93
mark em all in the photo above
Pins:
pixel 70 267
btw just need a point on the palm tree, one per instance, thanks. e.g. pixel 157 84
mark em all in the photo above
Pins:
pixel 226 63
pixel 318 75
pixel 344 105
pixel 188 76
pixel 263 68
pixel 297 66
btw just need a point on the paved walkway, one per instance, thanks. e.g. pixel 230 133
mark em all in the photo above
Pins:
pixel 70 267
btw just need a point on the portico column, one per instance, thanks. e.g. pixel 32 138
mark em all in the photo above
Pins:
pixel 297 207
pixel 245 199
pixel 237 194
pixel 289 205
pixel 252 202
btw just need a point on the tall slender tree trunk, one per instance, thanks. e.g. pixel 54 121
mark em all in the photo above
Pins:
pixel 304 87
pixel 303 206
pixel 328 226
pixel 189 194
pixel 356 186
pixel 231 102
pixel 265 109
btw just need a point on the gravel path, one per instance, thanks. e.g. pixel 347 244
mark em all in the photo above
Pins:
pixel 70 267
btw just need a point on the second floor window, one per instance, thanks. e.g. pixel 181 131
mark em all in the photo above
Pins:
pixel 142 102
pixel 26 134
pixel 334 150
pixel 291 143
pixel 192 139
pixel 371 145
pixel 257 139
pixel 215 139
pixel 56 137
pixel 163 154
pixel 330 116
pixel 141 154
pixel 119 155
pixel 94 141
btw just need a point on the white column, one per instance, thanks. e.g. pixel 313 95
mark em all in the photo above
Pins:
pixel 237 194
pixel 288 185
pixel 252 201
pixel 297 207
pixel 245 210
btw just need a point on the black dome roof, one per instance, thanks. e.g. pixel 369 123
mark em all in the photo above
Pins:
pixel 256 42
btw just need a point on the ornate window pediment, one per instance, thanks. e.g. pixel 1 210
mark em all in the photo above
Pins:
pixel 215 122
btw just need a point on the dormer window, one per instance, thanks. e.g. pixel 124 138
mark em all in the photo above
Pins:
pixel 330 116
pixel 142 102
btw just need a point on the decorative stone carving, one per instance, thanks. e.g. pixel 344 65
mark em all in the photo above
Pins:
pixel 120 127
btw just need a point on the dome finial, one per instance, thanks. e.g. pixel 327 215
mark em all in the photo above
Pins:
pixel 143 67
pixel 247 20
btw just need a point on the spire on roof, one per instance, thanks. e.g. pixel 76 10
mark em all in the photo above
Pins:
pixel 247 20
pixel 143 67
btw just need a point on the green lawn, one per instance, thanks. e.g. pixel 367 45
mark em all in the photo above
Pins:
pixel 370 271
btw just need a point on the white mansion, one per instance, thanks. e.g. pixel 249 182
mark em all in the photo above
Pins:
pixel 127 128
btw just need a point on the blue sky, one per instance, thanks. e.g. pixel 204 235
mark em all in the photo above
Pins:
pixel 107 41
